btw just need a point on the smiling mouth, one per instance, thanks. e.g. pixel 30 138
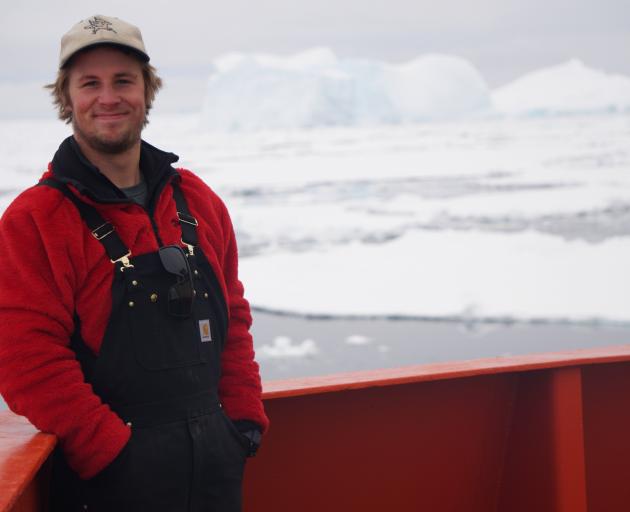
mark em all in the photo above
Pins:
pixel 111 116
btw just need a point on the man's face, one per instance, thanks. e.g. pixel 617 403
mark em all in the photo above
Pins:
pixel 106 93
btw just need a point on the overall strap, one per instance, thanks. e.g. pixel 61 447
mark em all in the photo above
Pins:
pixel 102 230
pixel 187 222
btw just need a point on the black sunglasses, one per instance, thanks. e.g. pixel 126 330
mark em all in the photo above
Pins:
pixel 182 293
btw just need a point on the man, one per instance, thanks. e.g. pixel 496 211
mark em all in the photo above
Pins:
pixel 125 331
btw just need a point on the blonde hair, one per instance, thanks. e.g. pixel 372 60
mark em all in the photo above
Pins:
pixel 59 90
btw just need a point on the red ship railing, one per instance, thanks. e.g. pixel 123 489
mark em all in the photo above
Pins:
pixel 24 464
pixel 543 432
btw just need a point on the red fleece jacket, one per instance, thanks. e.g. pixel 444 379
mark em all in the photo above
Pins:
pixel 52 268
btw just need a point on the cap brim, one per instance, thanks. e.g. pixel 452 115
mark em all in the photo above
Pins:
pixel 123 47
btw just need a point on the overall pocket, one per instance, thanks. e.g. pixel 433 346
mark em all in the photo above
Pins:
pixel 161 340
pixel 161 343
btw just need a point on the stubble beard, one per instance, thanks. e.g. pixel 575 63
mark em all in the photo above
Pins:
pixel 101 144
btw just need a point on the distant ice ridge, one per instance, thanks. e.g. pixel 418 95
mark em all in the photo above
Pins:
pixel 315 88
pixel 569 88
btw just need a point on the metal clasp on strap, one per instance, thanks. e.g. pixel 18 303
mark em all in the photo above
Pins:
pixel 102 231
pixel 191 248
pixel 188 219
pixel 124 261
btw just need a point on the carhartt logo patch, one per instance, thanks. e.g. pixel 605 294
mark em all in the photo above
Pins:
pixel 95 24
pixel 204 330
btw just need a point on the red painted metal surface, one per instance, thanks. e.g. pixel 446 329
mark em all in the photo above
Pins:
pixel 446 370
pixel 23 467
pixel 606 403
pixel 544 463
pixel 546 432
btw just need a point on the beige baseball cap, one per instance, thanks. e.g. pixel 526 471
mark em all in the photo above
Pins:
pixel 98 30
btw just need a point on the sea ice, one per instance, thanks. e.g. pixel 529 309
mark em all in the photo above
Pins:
pixel 450 275
pixel 283 347
pixel 358 339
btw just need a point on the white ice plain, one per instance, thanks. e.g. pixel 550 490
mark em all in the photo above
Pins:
pixel 498 219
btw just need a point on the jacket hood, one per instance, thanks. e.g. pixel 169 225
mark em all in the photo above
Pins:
pixel 70 166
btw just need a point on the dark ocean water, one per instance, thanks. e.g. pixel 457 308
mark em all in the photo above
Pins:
pixel 394 343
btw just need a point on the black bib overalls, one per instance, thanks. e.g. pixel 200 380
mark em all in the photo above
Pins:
pixel 160 374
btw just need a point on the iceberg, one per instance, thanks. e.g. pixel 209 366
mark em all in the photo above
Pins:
pixel 435 88
pixel 569 88
pixel 315 88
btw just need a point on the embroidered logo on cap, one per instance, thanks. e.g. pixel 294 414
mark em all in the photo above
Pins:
pixel 96 24
pixel 204 330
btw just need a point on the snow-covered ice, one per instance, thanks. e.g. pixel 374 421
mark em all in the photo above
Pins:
pixel 450 274
pixel 522 219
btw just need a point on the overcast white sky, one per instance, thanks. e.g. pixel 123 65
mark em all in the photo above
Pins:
pixel 502 38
